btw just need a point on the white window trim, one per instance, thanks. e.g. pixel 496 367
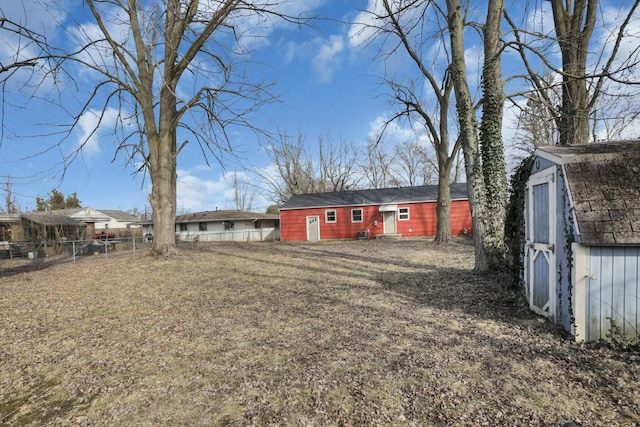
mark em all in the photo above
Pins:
pixel 400 214
pixel 326 216
pixel 361 215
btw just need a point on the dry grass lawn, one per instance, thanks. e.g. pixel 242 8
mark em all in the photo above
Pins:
pixel 336 333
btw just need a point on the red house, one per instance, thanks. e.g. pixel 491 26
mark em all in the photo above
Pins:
pixel 398 212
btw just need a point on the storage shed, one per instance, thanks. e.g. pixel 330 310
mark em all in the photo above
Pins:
pixel 582 220
pixel 385 212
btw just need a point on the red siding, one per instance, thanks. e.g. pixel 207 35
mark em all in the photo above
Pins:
pixel 422 221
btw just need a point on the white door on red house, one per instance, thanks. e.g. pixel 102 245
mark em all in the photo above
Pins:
pixel 313 228
pixel 389 222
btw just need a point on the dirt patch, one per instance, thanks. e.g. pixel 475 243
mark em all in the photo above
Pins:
pixel 335 333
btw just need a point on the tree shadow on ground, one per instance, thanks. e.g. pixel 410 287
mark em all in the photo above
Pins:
pixel 13 267
pixel 450 288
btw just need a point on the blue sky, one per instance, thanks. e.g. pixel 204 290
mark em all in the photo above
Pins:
pixel 328 81
pixel 323 83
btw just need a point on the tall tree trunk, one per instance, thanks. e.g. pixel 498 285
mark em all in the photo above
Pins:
pixel 443 208
pixel 574 23
pixel 468 133
pixel 163 193
pixel 492 148
pixel 163 150
pixel 445 164
pixel 163 158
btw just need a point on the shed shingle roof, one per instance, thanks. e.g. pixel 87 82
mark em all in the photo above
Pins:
pixel 423 193
pixel 604 180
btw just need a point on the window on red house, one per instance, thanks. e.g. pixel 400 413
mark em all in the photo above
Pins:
pixel 330 216
pixel 403 214
pixel 356 215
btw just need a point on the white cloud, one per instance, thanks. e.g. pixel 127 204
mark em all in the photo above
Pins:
pixel 198 191
pixel 42 18
pixel 394 132
pixel 254 29
pixel 363 27
pixel 94 125
pixel 195 193
pixel 327 60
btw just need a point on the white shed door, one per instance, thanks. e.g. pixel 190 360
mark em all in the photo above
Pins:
pixel 540 222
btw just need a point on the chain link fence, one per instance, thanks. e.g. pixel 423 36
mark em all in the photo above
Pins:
pixel 16 253
pixel 70 250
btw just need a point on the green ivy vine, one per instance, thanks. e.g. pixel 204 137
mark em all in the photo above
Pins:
pixel 514 231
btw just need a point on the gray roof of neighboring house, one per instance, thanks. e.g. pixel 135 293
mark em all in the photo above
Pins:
pixel 382 196
pixel 55 217
pixel 4 217
pixel 82 214
pixel 224 215
pixel 119 215
pixel 604 181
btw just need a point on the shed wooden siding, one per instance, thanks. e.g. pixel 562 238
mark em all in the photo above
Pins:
pixel 612 291
pixel 541 164
pixel 422 221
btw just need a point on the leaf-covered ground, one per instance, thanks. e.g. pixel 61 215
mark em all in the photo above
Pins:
pixel 337 333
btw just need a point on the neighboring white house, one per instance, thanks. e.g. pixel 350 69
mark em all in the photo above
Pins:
pixel 224 226
pixel 117 220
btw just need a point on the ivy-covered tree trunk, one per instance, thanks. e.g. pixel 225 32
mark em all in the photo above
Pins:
pixel 468 133
pixel 491 146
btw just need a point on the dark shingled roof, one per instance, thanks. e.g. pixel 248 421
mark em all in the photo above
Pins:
pixel 383 196
pixel 604 180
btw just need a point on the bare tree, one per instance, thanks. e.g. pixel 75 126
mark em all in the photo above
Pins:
pixel 29 39
pixel 296 169
pixel 574 23
pixel 414 166
pixel 244 195
pixel 401 25
pixel 594 95
pixel 376 164
pixel 290 172
pixel 10 203
pixel 536 120
pixel 616 116
pixel 336 165
pixel 141 52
